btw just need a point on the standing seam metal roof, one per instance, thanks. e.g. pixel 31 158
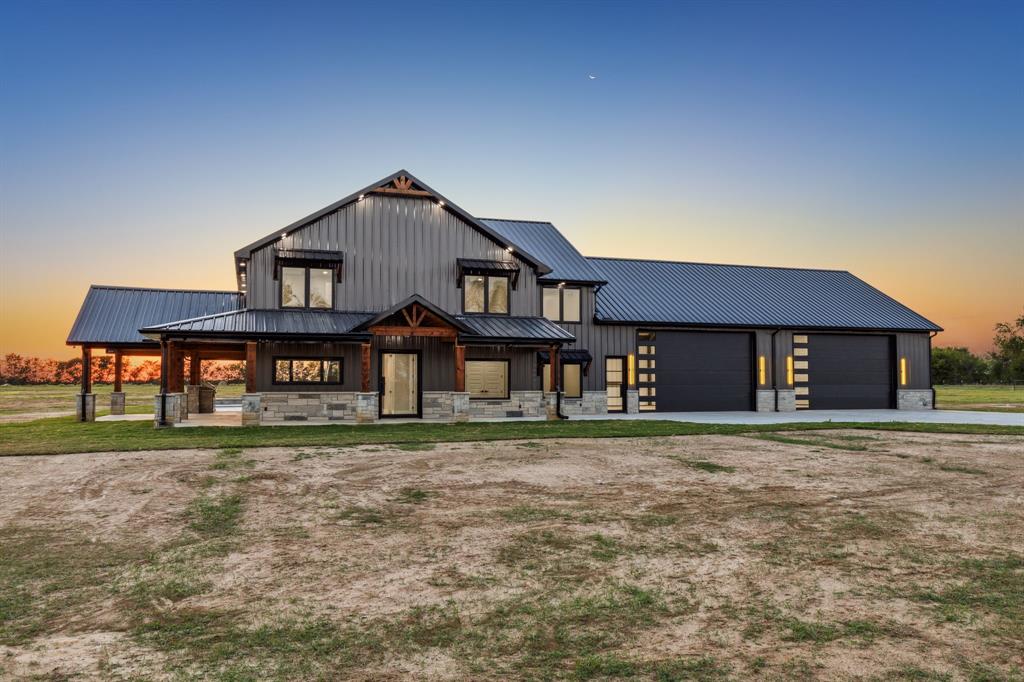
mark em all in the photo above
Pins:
pixel 566 263
pixel 647 291
pixel 272 322
pixel 114 315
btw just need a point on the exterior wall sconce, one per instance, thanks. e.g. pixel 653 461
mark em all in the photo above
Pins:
pixel 631 369
pixel 762 370
pixel 904 374
pixel 789 370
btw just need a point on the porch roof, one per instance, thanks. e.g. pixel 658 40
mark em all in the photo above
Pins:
pixel 510 329
pixel 260 323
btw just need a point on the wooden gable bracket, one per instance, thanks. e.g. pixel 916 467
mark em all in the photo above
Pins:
pixel 401 185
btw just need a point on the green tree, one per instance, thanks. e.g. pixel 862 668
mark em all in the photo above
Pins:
pixel 1008 357
pixel 958 366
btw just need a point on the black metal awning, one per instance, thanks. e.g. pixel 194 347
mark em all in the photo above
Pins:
pixel 309 258
pixel 569 356
pixel 497 268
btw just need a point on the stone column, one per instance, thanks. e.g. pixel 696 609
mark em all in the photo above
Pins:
pixel 765 400
pixel 192 391
pixel 252 410
pixel 787 400
pixel 172 404
pixel 632 401
pixel 367 409
pixel 117 402
pixel 914 399
pixel 85 407
pixel 551 402
pixel 460 407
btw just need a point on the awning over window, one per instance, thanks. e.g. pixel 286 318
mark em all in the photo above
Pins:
pixel 568 356
pixel 308 258
pixel 495 268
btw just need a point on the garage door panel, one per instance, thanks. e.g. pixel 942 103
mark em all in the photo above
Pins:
pixel 849 371
pixel 703 371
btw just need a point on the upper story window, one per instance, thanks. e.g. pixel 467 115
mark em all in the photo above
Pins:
pixel 307 287
pixel 485 294
pixel 561 304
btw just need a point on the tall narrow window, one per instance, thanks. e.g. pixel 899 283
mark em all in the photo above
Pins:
pixel 572 379
pixel 475 286
pixel 552 303
pixel 293 287
pixel 321 288
pixel 497 295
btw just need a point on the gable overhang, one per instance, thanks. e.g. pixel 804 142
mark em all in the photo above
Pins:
pixel 413 186
pixel 415 316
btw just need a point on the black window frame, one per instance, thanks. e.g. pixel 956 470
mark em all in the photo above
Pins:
pixel 307 268
pixel 508 377
pixel 561 303
pixel 291 370
pixel 487 295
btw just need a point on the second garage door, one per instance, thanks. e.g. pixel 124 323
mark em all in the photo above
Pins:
pixel 848 371
pixel 703 371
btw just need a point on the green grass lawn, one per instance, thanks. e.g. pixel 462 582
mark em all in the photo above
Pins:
pixel 985 397
pixel 58 435
pixel 61 397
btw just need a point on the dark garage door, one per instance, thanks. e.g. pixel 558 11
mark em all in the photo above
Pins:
pixel 846 371
pixel 704 371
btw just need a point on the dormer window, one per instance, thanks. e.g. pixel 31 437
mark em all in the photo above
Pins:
pixel 307 288
pixel 486 284
pixel 485 294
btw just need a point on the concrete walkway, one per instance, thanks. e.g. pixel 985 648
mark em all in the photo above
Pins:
pixel 811 416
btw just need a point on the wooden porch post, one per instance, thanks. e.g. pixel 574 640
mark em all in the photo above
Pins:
pixel 364 385
pixel 460 369
pixel 86 370
pixel 250 367
pixel 194 368
pixel 118 369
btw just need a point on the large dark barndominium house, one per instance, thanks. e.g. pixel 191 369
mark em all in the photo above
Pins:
pixel 395 302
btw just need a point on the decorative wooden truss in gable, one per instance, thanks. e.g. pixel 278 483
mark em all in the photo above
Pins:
pixel 415 320
pixel 403 186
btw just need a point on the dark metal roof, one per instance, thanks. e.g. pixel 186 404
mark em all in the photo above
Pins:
pixel 662 292
pixel 474 266
pixel 114 315
pixel 246 251
pixel 261 323
pixel 568 356
pixel 543 239
pixel 509 328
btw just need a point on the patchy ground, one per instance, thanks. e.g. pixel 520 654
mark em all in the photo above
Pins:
pixel 812 555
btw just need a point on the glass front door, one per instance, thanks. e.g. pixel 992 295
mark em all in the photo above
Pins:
pixel 614 381
pixel 399 384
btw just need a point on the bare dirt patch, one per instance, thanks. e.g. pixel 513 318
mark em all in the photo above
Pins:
pixel 816 555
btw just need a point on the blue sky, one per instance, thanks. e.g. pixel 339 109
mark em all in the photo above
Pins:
pixel 143 142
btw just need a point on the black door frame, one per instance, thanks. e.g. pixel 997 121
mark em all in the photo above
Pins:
pixel 381 384
pixel 625 380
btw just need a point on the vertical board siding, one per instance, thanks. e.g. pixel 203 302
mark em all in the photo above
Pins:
pixel 915 348
pixel 394 247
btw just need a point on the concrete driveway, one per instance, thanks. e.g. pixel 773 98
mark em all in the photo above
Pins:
pixel 922 416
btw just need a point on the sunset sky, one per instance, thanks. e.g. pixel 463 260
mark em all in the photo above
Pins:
pixel 142 143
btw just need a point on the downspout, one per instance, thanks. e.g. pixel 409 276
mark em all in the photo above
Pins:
pixel 775 383
pixel 931 379
pixel 163 381
pixel 558 386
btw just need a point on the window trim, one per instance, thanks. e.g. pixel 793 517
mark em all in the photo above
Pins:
pixel 307 269
pixel 291 370
pixel 487 295
pixel 508 378
pixel 561 303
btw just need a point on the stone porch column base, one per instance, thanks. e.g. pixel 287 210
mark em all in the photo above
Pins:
pixel 460 407
pixel 367 409
pixel 252 410
pixel 914 399
pixel 787 400
pixel 117 402
pixel 632 401
pixel 85 404
pixel 173 403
